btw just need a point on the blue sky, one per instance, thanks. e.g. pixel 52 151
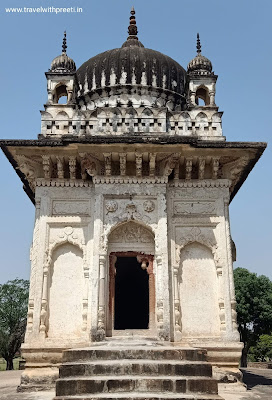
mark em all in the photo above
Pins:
pixel 236 36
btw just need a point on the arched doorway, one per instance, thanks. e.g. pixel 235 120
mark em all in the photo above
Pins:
pixel 131 293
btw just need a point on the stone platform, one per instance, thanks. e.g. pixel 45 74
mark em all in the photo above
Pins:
pixel 259 384
pixel 143 370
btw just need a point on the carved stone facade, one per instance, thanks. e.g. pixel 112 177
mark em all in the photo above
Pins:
pixel 144 174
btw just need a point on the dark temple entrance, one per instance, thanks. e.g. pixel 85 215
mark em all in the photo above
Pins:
pixel 131 304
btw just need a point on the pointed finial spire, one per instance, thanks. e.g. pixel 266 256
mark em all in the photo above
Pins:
pixel 132 29
pixel 198 45
pixel 64 45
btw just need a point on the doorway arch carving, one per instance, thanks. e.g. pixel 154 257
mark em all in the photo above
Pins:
pixel 130 241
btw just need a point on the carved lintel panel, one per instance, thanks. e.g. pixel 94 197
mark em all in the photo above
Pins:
pixel 122 210
pixel 72 207
pixel 201 207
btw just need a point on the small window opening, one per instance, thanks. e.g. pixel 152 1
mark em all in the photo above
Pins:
pixel 61 95
pixel 202 97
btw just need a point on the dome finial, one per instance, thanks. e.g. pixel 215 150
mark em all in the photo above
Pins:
pixel 132 39
pixel 198 45
pixel 64 44
pixel 132 29
pixel 63 63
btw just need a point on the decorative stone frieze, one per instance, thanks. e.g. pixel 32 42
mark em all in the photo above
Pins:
pixel 130 233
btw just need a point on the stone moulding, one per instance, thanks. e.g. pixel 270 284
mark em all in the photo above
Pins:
pixel 219 183
pixel 129 179
pixel 63 183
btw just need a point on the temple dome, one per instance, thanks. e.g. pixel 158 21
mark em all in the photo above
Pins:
pixel 129 66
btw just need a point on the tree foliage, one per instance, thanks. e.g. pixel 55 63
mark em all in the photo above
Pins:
pixel 13 312
pixel 263 349
pixel 254 307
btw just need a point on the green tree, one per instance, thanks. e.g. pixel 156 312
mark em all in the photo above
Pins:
pixel 254 307
pixel 13 312
pixel 263 349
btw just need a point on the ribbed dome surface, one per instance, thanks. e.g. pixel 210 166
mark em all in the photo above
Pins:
pixel 63 63
pixel 131 65
pixel 200 64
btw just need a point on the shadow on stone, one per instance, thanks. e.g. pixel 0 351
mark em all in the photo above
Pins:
pixel 254 379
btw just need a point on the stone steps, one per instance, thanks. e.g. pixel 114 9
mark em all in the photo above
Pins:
pixel 106 384
pixel 135 353
pixel 136 372
pixel 141 396
pixel 136 367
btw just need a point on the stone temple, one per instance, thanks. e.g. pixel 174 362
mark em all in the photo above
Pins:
pixel 131 261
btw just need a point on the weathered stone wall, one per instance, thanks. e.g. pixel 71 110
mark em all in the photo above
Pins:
pixel 184 228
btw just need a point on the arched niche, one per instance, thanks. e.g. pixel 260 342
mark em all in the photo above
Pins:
pixel 202 121
pixel 65 292
pixel 198 292
pixel 202 96
pixel 185 122
pixel 60 94
pixel 216 124
pixel 116 120
pixel 131 248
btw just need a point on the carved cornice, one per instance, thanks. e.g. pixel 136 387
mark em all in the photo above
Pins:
pixel 242 157
pixel 219 183
pixel 63 182
pixel 129 179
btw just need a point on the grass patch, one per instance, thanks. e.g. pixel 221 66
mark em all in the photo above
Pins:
pixel 3 363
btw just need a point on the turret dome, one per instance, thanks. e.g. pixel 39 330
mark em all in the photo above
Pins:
pixel 63 63
pixel 199 65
